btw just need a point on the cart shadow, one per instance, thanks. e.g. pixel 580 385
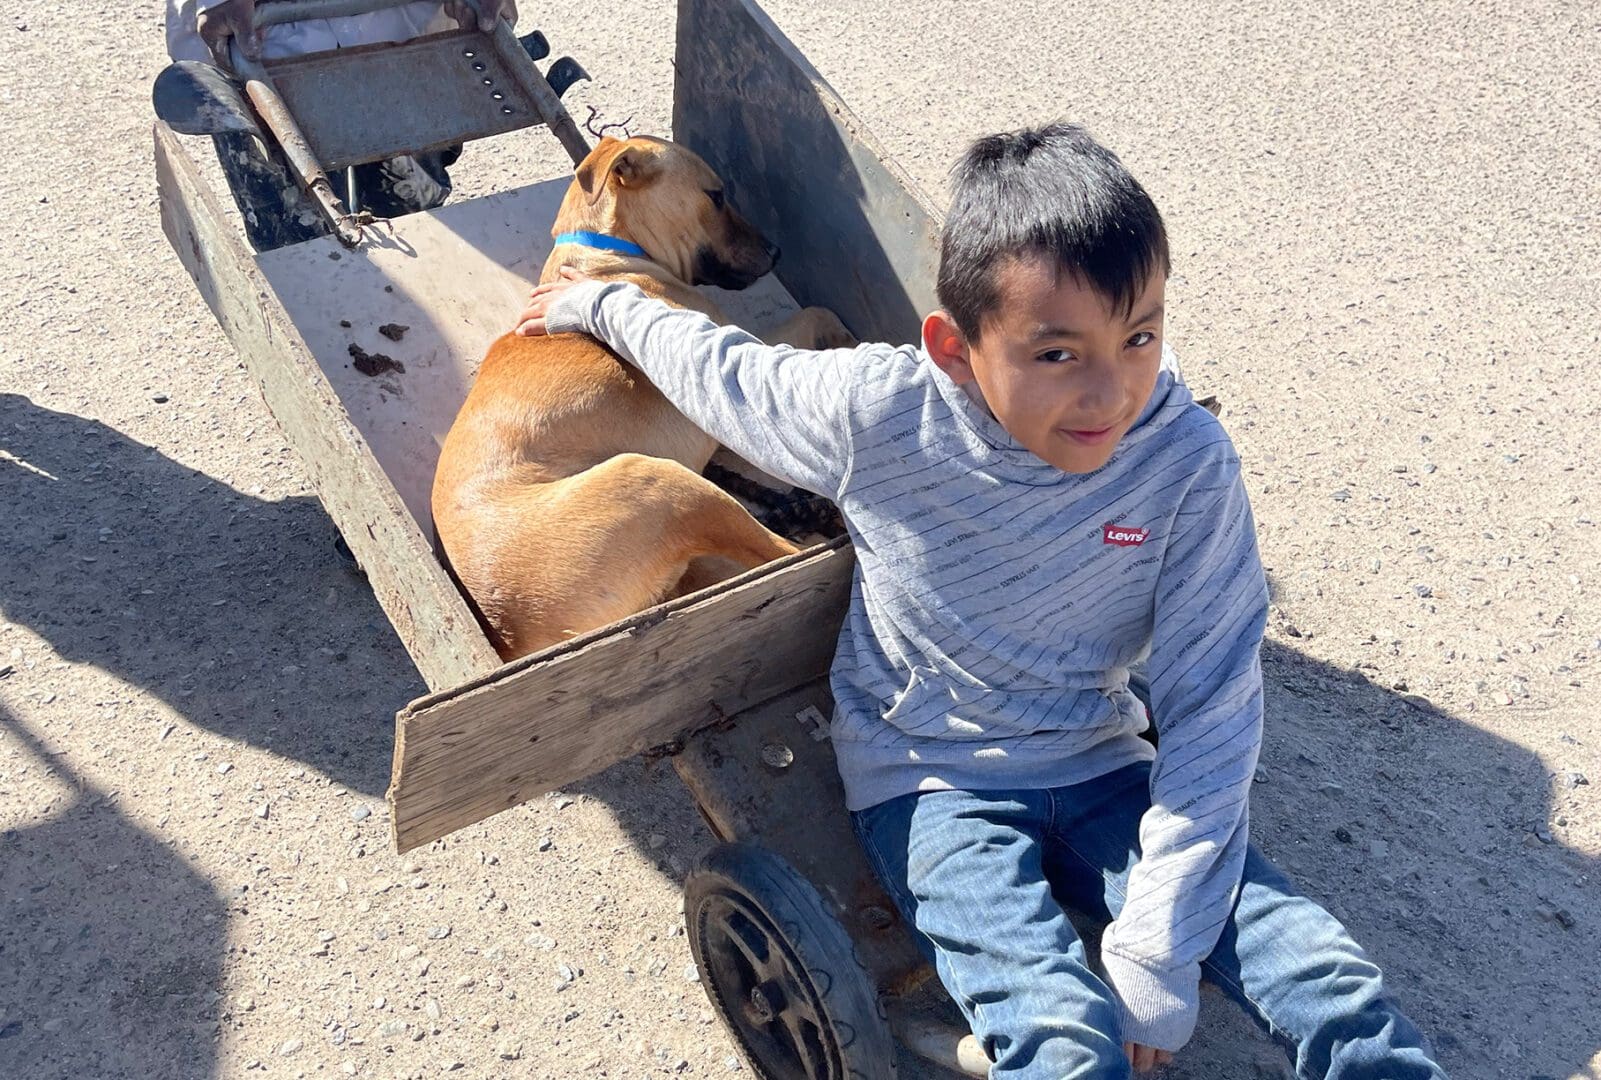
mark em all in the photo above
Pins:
pixel 235 611
pixel 1417 829
pixel 110 943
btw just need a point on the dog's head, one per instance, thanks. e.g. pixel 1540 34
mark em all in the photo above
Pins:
pixel 668 201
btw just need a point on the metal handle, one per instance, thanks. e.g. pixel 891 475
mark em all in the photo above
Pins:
pixel 286 11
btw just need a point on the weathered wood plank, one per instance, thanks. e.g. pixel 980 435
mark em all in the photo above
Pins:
pixel 568 712
pixel 735 774
pixel 433 622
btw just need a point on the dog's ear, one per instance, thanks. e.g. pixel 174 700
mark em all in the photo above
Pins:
pixel 633 166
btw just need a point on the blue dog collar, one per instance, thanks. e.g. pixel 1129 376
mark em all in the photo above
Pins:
pixel 603 242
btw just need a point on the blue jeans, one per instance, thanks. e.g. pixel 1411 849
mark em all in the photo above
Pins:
pixel 983 876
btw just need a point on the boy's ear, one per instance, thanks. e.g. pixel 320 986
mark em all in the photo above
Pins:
pixel 947 347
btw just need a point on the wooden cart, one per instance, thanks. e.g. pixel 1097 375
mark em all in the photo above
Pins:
pixel 798 948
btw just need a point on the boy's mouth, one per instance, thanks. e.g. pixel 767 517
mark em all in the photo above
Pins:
pixel 1090 437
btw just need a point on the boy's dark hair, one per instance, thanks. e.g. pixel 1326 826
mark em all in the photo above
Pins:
pixel 1054 192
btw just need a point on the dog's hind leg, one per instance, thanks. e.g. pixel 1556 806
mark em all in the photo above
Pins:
pixel 614 540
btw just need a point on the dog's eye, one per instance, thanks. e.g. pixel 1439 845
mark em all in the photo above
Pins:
pixel 716 197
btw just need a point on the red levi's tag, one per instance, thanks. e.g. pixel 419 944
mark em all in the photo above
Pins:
pixel 1124 535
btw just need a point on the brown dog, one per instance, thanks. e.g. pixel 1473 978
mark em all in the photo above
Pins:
pixel 568 493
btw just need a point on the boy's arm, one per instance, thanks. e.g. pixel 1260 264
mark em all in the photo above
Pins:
pixel 780 408
pixel 1206 697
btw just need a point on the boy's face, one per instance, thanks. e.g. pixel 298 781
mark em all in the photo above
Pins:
pixel 1063 373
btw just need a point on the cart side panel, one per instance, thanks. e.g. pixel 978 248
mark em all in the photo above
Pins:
pixel 433 622
pixel 857 235
pixel 563 714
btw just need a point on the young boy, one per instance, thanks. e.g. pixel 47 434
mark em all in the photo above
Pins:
pixel 1037 505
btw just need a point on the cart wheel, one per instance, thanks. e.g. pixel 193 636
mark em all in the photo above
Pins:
pixel 782 972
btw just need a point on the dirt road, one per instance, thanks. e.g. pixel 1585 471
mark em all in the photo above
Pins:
pixel 1386 240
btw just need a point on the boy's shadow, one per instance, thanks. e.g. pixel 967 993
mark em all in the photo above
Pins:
pixel 234 610
pixel 110 943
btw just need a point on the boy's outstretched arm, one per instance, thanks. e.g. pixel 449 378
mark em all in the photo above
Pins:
pixel 782 409
pixel 1206 697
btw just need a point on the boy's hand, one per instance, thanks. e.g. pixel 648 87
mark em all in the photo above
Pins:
pixel 531 323
pixel 230 19
pixel 1146 1058
pixel 481 13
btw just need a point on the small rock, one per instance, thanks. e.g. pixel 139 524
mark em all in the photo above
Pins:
pixel 655 840
pixel 1260 776
pixel 1342 495
pixel 465 981
pixel 1429 467
pixel 563 801
pixel 509 1051
pixel 1503 698
pixel 1576 779
pixel 225 768
pixel 360 813
pixel 431 1007
pixel 489 1023
pixel 691 973
pixel 288 1047
pixel 1329 787
pixel 262 811
pixel 392 1028
pixel 160 399
pixel 1379 849
pixel 1423 591
pixel 1343 835
pixel 438 933
pixel 545 843
pixel 1543 834
pixel 393 331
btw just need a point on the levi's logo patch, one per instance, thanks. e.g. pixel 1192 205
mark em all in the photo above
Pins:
pixel 1124 535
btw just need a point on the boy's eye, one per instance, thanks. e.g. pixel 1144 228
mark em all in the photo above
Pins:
pixel 1141 339
pixel 1054 356
pixel 716 197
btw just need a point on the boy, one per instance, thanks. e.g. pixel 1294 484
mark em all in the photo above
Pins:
pixel 1038 504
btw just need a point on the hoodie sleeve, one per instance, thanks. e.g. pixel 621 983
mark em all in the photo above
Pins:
pixel 1206 697
pixel 785 410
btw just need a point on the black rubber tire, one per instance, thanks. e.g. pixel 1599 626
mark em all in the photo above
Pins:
pixel 762 935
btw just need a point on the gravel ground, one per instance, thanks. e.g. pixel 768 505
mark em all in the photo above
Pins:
pixel 1385 237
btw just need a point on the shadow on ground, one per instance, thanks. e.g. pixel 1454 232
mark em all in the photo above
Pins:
pixel 1426 834
pixel 111 946
pixel 175 582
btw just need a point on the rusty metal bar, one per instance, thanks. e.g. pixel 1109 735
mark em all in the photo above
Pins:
pixel 551 110
pixel 272 110
pixel 286 11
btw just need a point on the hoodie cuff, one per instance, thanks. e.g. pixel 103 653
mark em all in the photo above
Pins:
pixel 1155 1008
pixel 574 309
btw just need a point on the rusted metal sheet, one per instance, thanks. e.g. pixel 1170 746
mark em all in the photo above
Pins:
pixel 769 778
pixel 857 235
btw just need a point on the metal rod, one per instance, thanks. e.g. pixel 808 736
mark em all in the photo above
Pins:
pixel 281 122
pixel 285 11
pixel 939 1043
pixel 549 106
